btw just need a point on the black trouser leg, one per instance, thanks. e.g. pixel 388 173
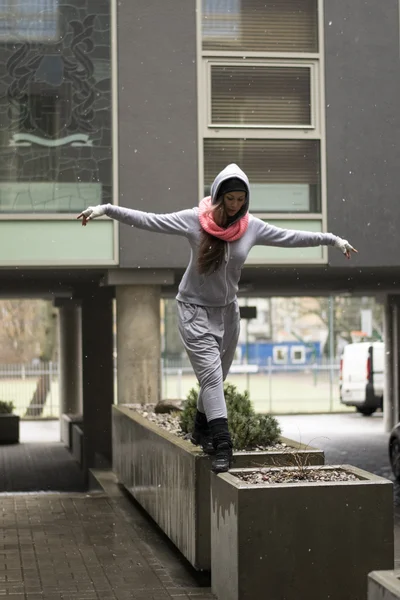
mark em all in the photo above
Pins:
pixel 201 435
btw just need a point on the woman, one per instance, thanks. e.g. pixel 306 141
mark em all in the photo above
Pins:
pixel 221 232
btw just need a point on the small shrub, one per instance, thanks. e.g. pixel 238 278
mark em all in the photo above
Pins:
pixel 188 413
pixel 6 408
pixel 247 428
pixel 236 402
pixel 254 430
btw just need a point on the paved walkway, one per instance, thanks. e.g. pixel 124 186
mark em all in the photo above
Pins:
pixel 39 462
pixel 79 546
pixel 30 467
pixel 86 547
pixel 74 545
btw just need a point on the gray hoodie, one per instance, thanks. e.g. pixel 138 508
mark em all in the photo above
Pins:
pixel 218 288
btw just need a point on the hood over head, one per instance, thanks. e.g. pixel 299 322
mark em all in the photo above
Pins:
pixel 240 183
pixel 232 171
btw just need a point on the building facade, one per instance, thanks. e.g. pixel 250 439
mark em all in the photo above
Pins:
pixel 141 104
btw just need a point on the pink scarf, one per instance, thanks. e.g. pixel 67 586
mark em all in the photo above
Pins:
pixel 228 234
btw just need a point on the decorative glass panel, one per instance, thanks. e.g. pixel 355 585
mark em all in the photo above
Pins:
pixel 55 105
pixel 37 197
pixel 49 243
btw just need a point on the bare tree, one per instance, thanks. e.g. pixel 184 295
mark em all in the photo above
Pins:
pixel 48 352
pixel 27 331
pixel 347 317
pixel 21 330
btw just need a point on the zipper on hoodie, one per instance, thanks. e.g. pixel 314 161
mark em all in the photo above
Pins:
pixel 226 268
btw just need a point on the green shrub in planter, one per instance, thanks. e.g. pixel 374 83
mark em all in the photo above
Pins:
pixel 254 430
pixel 188 413
pixel 247 428
pixel 6 408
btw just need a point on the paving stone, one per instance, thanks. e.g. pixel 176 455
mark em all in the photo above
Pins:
pixel 39 467
pixel 82 547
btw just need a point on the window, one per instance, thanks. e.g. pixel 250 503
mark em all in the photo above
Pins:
pixel 260 25
pixel 298 355
pixel 260 95
pixel 29 20
pixel 280 355
pixel 56 151
pixel 221 22
pixel 284 174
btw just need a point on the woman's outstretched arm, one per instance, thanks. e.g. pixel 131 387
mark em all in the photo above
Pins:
pixel 178 223
pixel 269 235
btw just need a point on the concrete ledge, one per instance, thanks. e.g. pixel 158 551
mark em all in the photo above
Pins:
pixel 311 540
pixel 384 585
pixel 170 478
pixel 139 277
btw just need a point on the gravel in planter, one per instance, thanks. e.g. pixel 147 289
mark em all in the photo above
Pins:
pixel 295 475
pixel 171 422
pixel 167 421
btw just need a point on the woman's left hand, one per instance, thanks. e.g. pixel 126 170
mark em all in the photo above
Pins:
pixel 345 247
pixel 92 212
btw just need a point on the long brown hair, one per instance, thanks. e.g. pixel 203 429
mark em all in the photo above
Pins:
pixel 212 249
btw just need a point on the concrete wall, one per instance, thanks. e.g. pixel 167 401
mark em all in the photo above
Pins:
pixel 157 122
pixel 158 125
pixel 363 121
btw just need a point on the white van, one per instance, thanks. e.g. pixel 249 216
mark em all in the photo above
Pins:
pixel 362 375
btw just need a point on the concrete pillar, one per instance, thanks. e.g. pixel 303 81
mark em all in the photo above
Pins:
pixel 70 352
pixel 388 381
pixel 391 392
pixel 395 359
pixel 98 375
pixel 138 344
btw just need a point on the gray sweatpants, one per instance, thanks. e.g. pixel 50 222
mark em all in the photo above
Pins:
pixel 210 336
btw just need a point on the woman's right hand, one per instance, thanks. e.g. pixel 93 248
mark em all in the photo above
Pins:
pixel 92 212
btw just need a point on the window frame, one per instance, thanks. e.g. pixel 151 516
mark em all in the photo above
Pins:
pixel 60 217
pixel 259 130
pixel 285 351
pixel 298 361
pixel 212 148
pixel 319 133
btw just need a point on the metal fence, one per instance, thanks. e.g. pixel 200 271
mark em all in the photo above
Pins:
pixel 33 389
pixel 279 389
pixel 273 388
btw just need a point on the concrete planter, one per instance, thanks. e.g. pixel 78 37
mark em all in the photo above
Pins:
pixel 66 423
pixel 170 478
pixel 384 585
pixel 288 541
pixel 9 429
pixel 77 444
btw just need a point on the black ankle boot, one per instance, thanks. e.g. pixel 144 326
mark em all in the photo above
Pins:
pixel 222 444
pixel 201 435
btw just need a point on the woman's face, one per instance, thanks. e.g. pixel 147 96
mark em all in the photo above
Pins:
pixel 233 202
